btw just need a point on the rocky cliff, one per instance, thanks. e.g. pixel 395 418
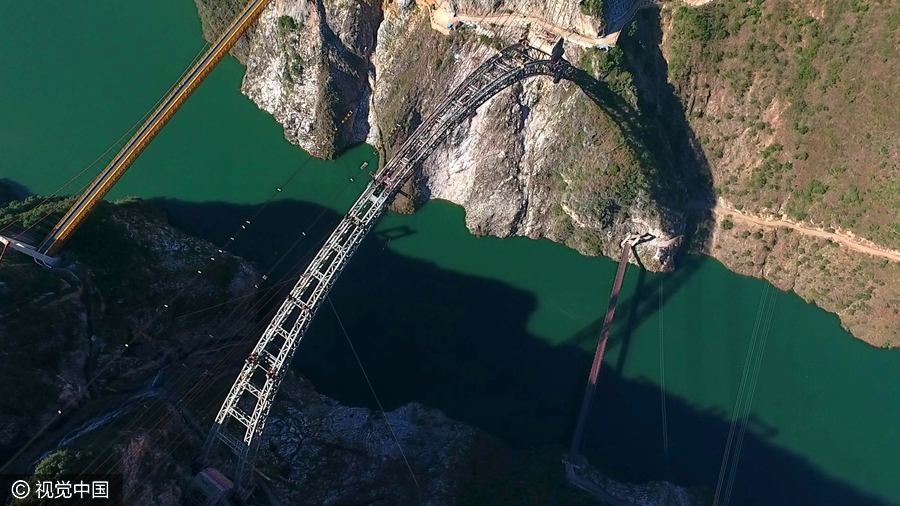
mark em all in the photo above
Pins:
pixel 538 159
pixel 318 452
pixel 697 119
pixel 118 339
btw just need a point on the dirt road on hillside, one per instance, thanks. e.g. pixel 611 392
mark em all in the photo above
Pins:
pixel 854 243
pixel 440 17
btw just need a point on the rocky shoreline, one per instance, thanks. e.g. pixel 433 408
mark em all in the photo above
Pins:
pixel 346 72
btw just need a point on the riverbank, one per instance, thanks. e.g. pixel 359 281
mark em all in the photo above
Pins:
pixel 839 272
pixel 132 414
pixel 529 176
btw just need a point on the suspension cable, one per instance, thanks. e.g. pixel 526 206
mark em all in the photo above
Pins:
pixel 753 384
pixel 140 333
pixel 375 395
pixel 232 326
pixel 373 390
pixel 113 146
pixel 740 397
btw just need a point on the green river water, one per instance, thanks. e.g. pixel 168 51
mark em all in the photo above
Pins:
pixel 496 333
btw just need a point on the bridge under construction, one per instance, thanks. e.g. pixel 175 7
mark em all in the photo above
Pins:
pixel 241 420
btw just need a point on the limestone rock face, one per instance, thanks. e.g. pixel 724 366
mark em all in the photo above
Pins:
pixel 346 455
pixel 316 451
pixel 308 66
pixel 538 159
pixel 564 13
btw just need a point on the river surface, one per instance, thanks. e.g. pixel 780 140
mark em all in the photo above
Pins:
pixel 496 333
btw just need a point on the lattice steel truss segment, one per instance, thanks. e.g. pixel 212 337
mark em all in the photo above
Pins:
pixel 251 397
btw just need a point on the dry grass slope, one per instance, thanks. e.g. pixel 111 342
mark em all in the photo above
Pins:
pixel 797 105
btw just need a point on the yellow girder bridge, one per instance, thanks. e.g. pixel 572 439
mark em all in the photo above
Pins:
pixel 104 182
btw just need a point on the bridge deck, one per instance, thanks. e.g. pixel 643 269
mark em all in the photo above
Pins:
pixel 598 354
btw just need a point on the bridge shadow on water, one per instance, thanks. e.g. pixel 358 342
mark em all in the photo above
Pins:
pixel 461 344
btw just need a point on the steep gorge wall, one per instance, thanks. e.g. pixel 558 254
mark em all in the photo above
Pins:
pixel 538 159
pixel 543 160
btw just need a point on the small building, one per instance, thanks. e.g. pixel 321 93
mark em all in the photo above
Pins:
pixel 209 488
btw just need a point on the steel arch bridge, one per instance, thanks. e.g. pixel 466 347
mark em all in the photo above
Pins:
pixel 247 405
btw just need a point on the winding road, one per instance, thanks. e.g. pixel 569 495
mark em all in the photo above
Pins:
pixel 854 243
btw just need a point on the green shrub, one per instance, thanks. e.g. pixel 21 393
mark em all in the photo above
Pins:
pixel 491 41
pixel 285 24
pixel 817 187
pixel 703 24
pixel 593 8
pixel 852 195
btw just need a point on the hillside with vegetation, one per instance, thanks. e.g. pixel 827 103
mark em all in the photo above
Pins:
pixel 728 123
pixel 795 106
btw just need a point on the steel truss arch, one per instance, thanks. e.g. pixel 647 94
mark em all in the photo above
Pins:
pixel 251 397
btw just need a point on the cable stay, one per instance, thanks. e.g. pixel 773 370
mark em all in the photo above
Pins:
pixel 746 391
pixel 46 252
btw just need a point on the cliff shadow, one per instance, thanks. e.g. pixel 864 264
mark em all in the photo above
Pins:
pixel 461 343
pixel 617 13
pixel 670 133
pixel 660 103
pixel 677 168
pixel 280 238
pixel 636 307
pixel 643 135
pixel 348 78
pixel 13 190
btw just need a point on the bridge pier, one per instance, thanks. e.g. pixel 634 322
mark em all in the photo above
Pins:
pixel 21 247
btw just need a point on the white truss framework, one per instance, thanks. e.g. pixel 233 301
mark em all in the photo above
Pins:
pixel 253 393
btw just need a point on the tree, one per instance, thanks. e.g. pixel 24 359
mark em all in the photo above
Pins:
pixel 56 464
pixel 593 8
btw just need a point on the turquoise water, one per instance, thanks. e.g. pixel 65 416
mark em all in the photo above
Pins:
pixel 497 333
